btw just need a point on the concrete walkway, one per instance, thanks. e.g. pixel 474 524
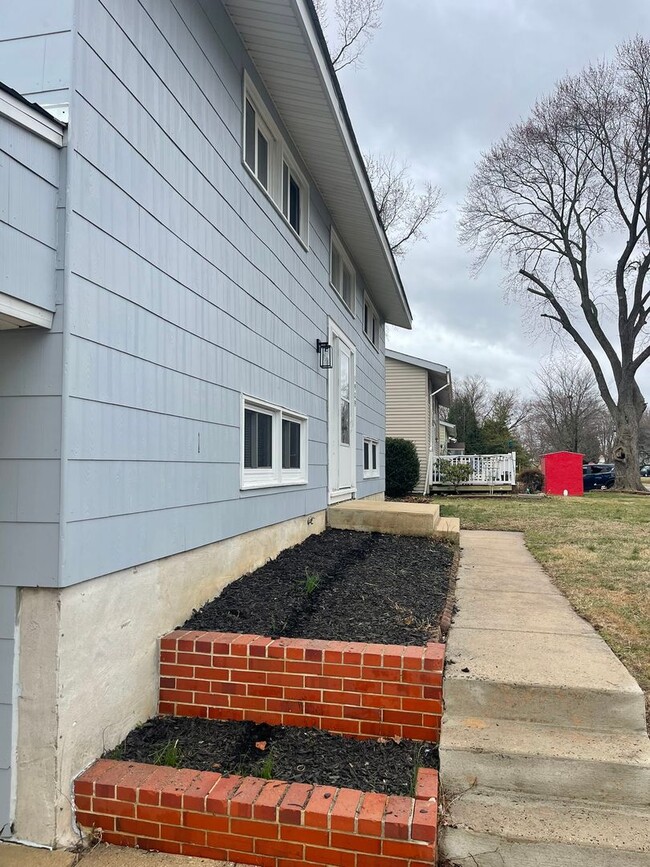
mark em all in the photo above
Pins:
pixel 545 758
pixel 12 855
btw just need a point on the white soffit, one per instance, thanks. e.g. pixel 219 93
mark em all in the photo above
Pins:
pixel 21 112
pixel 283 42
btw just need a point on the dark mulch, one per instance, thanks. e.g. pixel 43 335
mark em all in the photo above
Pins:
pixel 369 587
pixel 292 754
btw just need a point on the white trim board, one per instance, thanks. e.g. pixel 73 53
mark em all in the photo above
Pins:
pixel 27 117
pixel 16 314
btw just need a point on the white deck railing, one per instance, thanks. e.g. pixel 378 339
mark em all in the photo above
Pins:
pixel 489 470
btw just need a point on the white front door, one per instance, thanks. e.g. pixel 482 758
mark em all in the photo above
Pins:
pixel 342 419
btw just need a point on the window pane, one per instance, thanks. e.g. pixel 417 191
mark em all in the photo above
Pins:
pixel 347 286
pixel 249 136
pixel 374 456
pixel 336 268
pixel 285 190
pixel 366 319
pixel 366 455
pixel 290 445
pixel 249 424
pixel 294 204
pixel 262 160
pixel 264 440
pixel 345 376
pixel 345 422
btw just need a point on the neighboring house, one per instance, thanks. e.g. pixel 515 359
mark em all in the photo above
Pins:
pixel 415 391
pixel 447 438
pixel 171 250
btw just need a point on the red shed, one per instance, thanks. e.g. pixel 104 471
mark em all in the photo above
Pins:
pixel 563 472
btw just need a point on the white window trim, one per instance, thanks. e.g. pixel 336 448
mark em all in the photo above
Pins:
pixel 371 472
pixel 275 476
pixel 335 241
pixel 373 310
pixel 278 152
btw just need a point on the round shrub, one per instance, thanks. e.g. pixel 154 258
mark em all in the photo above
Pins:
pixel 531 480
pixel 402 467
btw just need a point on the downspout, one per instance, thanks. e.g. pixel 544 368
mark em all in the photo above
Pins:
pixel 430 459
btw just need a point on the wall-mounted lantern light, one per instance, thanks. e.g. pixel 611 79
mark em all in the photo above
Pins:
pixel 324 351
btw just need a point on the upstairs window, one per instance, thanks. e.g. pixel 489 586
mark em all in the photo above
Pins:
pixel 370 322
pixel 268 159
pixel 342 275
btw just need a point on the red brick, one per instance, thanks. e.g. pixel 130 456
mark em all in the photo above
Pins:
pixel 281 705
pixel 343 726
pixel 217 800
pixel 270 665
pixel 191 710
pixel 349 671
pixel 168 683
pixel 279 848
pixel 229 663
pixel 344 811
pixel 397 817
pixel 266 806
pixel 163 815
pixel 203 852
pixel 407 689
pixel 277 649
pixel 149 789
pixel 228 687
pixel 166 708
pixel 248 702
pixel 107 775
pixel 253 828
pixel 389 702
pixel 110 807
pixel 422 705
pixel 343 698
pixel 361 686
pixel 425 818
pixel 306 835
pixel 241 803
pixel 297 667
pixel 353 653
pixel 370 714
pixel 177 670
pixel 293 680
pixel 259 646
pixel 91 820
pixel 225 713
pixel 371 814
pixel 230 842
pixel 206 822
pixel 187 658
pixel 319 805
pixel 301 720
pixel 170 641
pixel 381 674
pixel 302 694
pixel 263 690
pixel 196 836
pixel 196 794
pixel 82 802
pixel 251 676
pixel 413 658
pixel 426 786
pixel 315 708
pixel 404 849
pixel 137 827
pixel 176 695
pixel 356 843
pixel 157 845
pixel 293 803
pixel 329 857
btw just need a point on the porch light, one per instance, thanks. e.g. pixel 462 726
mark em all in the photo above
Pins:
pixel 324 351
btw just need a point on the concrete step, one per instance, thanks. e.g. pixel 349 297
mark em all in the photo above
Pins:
pixel 551 705
pixel 545 760
pixel 484 828
pixel 373 516
pixel 449 529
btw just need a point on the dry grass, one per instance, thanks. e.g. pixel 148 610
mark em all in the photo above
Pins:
pixel 596 549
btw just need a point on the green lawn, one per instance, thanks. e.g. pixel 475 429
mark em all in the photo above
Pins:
pixel 597 550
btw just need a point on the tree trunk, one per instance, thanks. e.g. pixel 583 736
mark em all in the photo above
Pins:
pixel 629 410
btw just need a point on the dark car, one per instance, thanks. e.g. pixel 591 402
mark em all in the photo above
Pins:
pixel 596 477
pixel 645 471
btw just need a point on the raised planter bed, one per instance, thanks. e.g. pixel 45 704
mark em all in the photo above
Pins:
pixel 248 820
pixel 362 690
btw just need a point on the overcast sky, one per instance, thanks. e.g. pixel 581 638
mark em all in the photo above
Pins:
pixel 441 81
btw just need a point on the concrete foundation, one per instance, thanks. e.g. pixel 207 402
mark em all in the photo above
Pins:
pixel 88 667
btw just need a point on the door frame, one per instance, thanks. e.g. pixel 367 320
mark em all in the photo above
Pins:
pixel 337 495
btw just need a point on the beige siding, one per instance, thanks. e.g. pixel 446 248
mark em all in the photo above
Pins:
pixel 407 407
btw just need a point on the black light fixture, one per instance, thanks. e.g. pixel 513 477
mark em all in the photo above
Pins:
pixel 324 351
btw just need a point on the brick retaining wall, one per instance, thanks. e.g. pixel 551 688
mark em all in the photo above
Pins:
pixel 252 821
pixel 362 690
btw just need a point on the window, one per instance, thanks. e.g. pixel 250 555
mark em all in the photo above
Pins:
pixel 370 458
pixel 267 157
pixel 342 276
pixel 370 322
pixel 274 446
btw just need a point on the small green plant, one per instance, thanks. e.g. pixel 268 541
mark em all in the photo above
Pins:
pixel 266 767
pixel 312 580
pixel 168 755
pixel 454 473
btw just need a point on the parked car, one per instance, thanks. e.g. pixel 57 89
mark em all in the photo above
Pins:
pixel 645 471
pixel 596 477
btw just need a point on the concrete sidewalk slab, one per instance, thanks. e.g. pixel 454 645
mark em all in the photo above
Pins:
pixel 516 610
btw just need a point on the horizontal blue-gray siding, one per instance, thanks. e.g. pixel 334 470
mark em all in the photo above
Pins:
pixel 185 289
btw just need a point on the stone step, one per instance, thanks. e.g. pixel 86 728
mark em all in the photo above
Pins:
pixel 484 828
pixel 374 516
pixel 449 529
pixel 545 760
pixel 548 704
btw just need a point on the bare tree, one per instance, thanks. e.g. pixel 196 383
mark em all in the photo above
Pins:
pixel 567 411
pixel 579 169
pixel 403 210
pixel 355 22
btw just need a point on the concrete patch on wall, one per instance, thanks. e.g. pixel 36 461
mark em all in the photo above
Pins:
pixel 89 662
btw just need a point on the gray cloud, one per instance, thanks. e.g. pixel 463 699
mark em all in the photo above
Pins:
pixel 442 80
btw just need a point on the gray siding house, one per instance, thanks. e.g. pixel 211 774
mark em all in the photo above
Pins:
pixel 184 213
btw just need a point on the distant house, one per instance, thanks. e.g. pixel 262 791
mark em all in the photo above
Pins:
pixel 184 217
pixel 448 443
pixel 415 391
